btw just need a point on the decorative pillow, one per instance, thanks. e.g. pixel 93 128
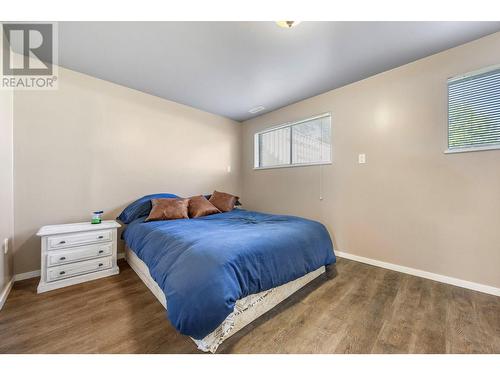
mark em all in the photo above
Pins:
pixel 168 209
pixel 200 206
pixel 238 203
pixel 223 201
pixel 141 207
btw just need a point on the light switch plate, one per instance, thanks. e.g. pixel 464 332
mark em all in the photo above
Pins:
pixel 6 245
pixel 362 158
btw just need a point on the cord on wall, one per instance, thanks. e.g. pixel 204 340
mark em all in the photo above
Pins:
pixel 321 182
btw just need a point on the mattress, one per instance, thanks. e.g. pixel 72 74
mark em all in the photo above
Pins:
pixel 204 265
pixel 246 309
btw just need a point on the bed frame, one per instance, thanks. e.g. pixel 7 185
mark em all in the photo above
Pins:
pixel 246 310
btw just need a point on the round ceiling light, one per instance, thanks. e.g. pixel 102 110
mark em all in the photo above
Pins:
pixel 287 24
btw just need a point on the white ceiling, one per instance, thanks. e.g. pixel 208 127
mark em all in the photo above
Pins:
pixel 230 67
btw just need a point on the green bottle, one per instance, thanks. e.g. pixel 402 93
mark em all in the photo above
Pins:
pixel 96 217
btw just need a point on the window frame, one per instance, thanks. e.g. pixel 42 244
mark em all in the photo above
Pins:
pixel 456 78
pixel 256 154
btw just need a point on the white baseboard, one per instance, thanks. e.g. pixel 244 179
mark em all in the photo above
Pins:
pixel 26 275
pixel 391 266
pixel 5 292
pixel 420 273
pixel 36 273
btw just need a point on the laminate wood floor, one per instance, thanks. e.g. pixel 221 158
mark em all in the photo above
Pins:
pixel 365 309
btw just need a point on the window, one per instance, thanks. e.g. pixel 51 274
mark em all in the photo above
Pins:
pixel 303 142
pixel 474 111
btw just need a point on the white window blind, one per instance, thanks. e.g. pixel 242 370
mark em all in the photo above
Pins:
pixel 303 142
pixel 274 147
pixel 474 111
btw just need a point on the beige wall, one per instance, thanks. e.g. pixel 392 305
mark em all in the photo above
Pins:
pixel 411 204
pixel 6 186
pixel 95 145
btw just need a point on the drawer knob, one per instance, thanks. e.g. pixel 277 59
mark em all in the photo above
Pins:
pixel 101 251
pixel 100 237
pixel 62 273
pixel 62 258
pixel 62 242
pixel 100 264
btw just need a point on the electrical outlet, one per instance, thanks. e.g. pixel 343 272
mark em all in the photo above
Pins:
pixel 362 158
pixel 6 245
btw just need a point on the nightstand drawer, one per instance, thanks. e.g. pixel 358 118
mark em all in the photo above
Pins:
pixel 80 268
pixel 58 257
pixel 69 240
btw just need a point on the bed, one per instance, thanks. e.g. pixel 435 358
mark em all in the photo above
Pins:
pixel 217 273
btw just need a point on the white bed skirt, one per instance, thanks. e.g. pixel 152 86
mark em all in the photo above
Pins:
pixel 245 311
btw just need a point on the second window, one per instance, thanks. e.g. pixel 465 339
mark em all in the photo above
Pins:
pixel 305 142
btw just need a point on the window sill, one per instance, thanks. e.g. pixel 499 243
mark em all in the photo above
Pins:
pixel 293 165
pixel 472 149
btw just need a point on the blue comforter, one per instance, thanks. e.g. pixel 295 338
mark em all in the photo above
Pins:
pixel 204 265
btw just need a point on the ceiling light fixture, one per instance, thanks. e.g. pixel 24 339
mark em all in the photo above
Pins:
pixel 287 24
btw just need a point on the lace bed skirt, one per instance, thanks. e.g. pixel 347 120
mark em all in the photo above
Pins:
pixel 245 311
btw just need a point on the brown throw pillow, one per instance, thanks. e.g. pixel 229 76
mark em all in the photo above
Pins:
pixel 200 206
pixel 223 201
pixel 168 209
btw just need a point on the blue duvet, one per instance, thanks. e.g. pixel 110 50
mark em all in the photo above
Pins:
pixel 204 265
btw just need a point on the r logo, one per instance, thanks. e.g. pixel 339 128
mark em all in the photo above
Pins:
pixel 34 43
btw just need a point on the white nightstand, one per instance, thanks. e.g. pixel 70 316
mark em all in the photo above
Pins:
pixel 75 253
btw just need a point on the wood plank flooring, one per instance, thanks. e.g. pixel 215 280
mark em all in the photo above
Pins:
pixel 365 309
